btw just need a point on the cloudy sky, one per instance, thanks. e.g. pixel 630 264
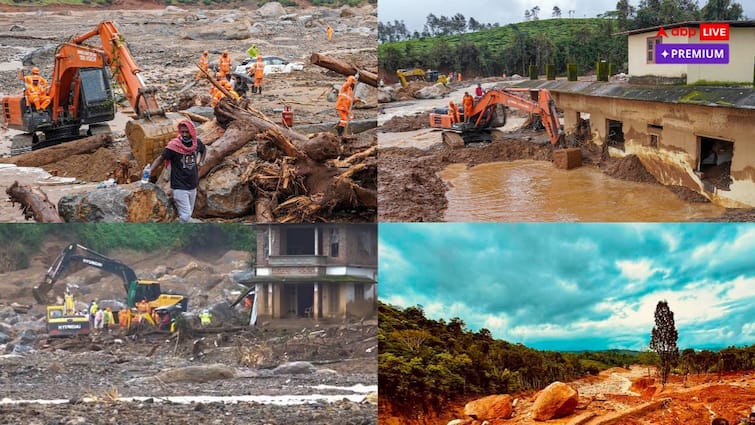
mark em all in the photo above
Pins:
pixel 414 13
pixel 577 286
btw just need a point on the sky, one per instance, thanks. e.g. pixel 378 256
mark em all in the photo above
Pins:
pixel 414 13
pixel 576 287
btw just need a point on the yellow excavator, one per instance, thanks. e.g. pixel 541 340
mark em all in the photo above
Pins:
pixel 142 296
pixel 405 75
pixel 64 320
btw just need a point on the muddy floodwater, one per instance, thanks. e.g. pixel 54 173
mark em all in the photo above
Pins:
pixel 537 191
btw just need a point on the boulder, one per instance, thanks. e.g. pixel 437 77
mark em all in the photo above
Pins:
pixel 322 147
pixel 498 406
pixel 271 10
pixel 367 96
pixel 222 194
pixel 16 27
pixel 294 368
pixel 555 401
pixel 197 374
pixel 132 203
pixel 222 311
pixel 242 277
pixel 436 91
pixel 43 54
pixel 4 338
pixel 386 94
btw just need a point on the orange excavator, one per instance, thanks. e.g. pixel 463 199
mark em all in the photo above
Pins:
pixel 81 94
pixel 489 111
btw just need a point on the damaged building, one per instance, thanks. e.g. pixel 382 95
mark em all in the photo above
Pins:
pixel 319 271
pixel 698 136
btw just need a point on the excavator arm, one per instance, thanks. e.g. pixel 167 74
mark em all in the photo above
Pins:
pixel 75 253
pixel 124 69
pixel 539 102
pixel 148 134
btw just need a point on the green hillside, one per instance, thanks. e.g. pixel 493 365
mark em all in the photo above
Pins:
pixel 512 48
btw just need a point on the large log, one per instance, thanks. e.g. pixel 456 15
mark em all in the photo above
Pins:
pixel 245 126
pixel 34 203
pixel 58 152
pixel 344 68
pixel 355 126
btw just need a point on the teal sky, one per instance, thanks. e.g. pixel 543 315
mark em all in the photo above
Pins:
pixel 577 286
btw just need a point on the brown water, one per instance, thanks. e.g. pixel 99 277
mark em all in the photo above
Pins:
pixel 537 191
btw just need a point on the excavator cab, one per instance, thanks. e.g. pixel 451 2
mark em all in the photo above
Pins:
pixel 97 101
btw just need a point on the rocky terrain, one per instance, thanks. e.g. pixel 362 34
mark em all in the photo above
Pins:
pixel 615 396
pixel 166 43
pixel 280 372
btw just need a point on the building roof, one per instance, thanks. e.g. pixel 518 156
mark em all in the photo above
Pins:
pixel 729 97
pixel 306 279
pixel 687 24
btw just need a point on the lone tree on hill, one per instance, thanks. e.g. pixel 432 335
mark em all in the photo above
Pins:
pixel 663 340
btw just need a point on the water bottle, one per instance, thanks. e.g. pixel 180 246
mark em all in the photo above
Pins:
pixel 145 174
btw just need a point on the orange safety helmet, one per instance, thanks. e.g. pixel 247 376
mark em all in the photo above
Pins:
pixel 225 52
pixel 227 84
pixel 351 79
pixel 205 52
pixel 35 70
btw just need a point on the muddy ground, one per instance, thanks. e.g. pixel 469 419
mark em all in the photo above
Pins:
pixel 165 43
pixel 94 374
pixel 410 189
pixel 616 396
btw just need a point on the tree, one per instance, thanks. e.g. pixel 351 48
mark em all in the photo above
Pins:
pixel 624 12
pixel 527 15
pixel 473 25
pixel 721 10
pixel 663 339
pixel 534 11
pixel 556 12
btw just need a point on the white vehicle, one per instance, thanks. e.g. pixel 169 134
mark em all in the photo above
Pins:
pixel 273 65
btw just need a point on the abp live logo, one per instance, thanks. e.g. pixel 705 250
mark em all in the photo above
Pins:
pixel 708 31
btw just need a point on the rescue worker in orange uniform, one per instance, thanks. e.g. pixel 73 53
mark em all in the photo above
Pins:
pixel 36 90
pixel 204 64
pixel 468 104
pixel 453 112
pixel 343 104
pixel 224 65
pixel 124 318
pixel 259 72
pixel 329 30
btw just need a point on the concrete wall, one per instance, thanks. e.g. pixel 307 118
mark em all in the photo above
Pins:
pixel 739 68
pixel 741 60
pixel 637 57
pixel 677 156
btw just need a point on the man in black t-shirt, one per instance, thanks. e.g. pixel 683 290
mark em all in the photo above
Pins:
pixel 183 155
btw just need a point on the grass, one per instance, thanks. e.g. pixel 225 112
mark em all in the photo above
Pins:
pixel 715 83
pixel 496 39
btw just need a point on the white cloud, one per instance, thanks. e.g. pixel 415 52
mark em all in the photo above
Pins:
pixel 671 240
pixel 706 253
pixel 636 270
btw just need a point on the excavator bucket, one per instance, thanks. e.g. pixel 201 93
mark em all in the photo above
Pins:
pixel 148 137
pixel 40 292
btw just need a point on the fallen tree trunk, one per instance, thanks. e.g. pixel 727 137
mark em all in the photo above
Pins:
pixel 355 126
pixel 244 126
pixel 34 203
pixel 58 152
pixel 343 68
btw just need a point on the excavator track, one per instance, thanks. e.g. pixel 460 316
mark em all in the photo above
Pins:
pixel 453 140
pixel 21 143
